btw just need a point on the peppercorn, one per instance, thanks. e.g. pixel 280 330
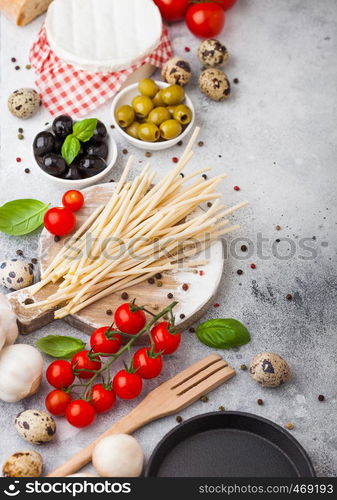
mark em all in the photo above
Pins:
pixel 21 137
pixel 236 188
pixel 125 296
pixel 56 238
pixel 191 330
pixel 278 240
pixel 204 399
pixel 243 367
pixel 200 144
pixel 112 126
pixel 253 266
pixel 28 66
pixel 151 281
pixel 156 307
pixel 27 170
pixel 109 312
pixel 260 402
pixel 158 276
pixel 34 261
pixel 289 296
pixel 17 68
pixel 239 272
pixel 235 80
pixel 278 228
pixel 148 154
pixel 187 49
pixel 321 397
pixel 216 305
pixel 28 301
pixel 19 252
pixel 185 287
pixel 13 59
pixel 244 248
pixel 204 176
pixel 182 316
pixel 20 130
pixel 180 143
pixel 125 151
pixel 170 295
pixel 175 159
pixel 182 175
pixel 289 426
pixel 221 408
pixel 159 284
pixel 179 419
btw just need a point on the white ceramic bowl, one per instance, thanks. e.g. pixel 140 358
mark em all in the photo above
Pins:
pixel 81 183
pixel 125 97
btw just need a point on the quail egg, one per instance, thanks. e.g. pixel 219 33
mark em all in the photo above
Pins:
pixel 16 274
pixel 212 53
pixel 269 369
pixel 177 71
pixel 215 84
pixel 35 426
pixel 23 464
pixel 24 103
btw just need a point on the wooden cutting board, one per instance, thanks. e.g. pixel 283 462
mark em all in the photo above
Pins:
pixel 202 287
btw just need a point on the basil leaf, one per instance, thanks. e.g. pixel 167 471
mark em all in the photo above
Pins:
pixel 223 333
pixel 70 148
pixel 59 346
pixel 84 129
pixel 19 217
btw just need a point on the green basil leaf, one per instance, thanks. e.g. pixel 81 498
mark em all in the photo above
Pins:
pixel 223 333
pixel 70 149
pixel 19 217
pixel 59 346
pixel 84 129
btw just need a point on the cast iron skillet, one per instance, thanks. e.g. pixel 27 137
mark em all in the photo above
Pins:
pixel 229 444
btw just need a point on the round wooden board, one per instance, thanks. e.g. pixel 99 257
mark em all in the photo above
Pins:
pixel 191 303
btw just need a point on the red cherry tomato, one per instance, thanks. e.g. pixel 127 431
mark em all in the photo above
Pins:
pixel 60 374
pixel 128 321
pixel 147 365
pixel 80 413
pixel 165 341
pixel 102 399
pixel 81 361
pixel 225 4
pixel 59 221
pixel 172 10
pixel 74 200
pixel 100 343
pixel 127 385
pixel 57 402
pixel 205 20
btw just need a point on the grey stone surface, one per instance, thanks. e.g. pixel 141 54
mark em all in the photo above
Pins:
pixel 276 138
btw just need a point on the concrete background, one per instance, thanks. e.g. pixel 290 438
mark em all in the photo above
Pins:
pixel 276 138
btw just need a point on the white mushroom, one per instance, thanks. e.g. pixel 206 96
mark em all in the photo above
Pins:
pixel 20 372
pixel 118 455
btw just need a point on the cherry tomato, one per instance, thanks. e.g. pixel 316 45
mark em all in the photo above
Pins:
pixel 100 343
pixel 74 200
pixel 59 221
pixel 127 385
pixel 165 341
pixel 147 365
pixel 60 374
pixel 57 402
pixel 225 4
pixel 81 361
pixel 80 413
pixel 205 20
pixel 128 321
pixel 172 10
pixel 102 399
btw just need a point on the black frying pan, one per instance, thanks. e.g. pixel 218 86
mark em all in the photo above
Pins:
pixel 229 444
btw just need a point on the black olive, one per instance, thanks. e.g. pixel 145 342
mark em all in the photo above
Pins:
pixel 58 144
pixel 72 172
pixel 54 164
pixel 98 148
pixel 43 144
pixel 62 126
pixel 91 165
pixel 100 131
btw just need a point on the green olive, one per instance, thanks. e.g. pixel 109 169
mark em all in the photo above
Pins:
pixel 182 114
pixel 148 87
pixel 157 100
pixel 171 109
pixel 170 129
pixel 133 130
pixel 125 115
pixel 148 132
pixel 142 105
pixel 159 115
pixel 174 94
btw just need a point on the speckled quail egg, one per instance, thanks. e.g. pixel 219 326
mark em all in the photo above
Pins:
pixel 16 274
pixel 176 71
pixel 269 369
pixel 35 426
pixel 215 84
pixel 24 103
pixel 212 53
pixel 23 464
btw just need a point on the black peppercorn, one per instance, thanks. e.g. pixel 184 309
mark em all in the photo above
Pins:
pixel 158 276
pixel 185 287
pixel 182 316
pixel 260 402
pixel 151 281
pixel 239 272
pixel 109 312
pixel 321 397
pixel 56 238
pixel 170 295
pixel 125 296
pixel 179 419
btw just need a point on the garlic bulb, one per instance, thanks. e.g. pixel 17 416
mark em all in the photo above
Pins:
pixel 8 324
pixel 21 368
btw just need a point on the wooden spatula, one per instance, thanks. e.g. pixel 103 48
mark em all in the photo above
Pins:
pixel 170 397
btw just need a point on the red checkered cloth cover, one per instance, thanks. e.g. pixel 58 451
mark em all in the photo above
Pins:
pixel 65 89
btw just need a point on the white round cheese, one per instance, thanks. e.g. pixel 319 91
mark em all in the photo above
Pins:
pixel 105 35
